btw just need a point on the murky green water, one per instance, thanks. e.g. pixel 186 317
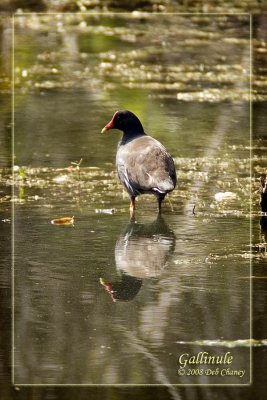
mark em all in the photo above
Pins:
pixel 174 281
pixel 180 284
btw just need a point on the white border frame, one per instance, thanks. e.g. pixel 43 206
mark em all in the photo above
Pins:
pixel 13 205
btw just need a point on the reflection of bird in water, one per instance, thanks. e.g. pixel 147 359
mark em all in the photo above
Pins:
pixel 124 290
pixel 141 251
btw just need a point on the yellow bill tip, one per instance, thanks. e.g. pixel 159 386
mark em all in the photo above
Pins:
pixel 104 130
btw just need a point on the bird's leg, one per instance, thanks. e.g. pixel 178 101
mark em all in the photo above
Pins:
pixel 132 204
pixel 132 208
pixel 160 199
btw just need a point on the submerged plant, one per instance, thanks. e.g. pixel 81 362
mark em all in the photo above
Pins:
pixel 77 166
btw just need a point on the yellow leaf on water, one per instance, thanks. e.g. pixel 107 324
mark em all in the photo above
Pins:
pixel 63 221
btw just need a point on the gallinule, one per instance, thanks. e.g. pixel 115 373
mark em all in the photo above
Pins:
pixel 143 164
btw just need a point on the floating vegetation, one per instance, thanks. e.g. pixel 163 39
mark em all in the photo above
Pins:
pixel 107 51
pixel 253 277
pixel 61 178
pixel 224 186
pixel 228 343
pixel 105 211
pixel 225 196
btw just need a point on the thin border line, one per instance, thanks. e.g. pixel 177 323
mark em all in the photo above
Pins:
pixel 12 191
pixel 110 13
pixel 12 197
pixel 129 384
pixel 250 156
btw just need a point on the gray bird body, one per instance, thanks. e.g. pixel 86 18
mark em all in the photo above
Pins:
pixel 144 166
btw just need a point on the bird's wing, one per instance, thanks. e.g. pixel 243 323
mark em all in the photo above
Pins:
pixel 126 181
pixel 149 167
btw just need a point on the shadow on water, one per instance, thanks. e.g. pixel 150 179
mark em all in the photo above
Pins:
pixel 141 251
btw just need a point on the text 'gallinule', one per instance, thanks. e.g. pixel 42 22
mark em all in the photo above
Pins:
pixel 143 164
